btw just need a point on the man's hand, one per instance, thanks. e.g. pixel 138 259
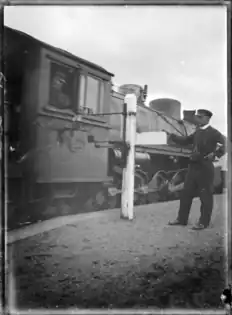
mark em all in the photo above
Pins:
pixel 181 140
pixel 211 156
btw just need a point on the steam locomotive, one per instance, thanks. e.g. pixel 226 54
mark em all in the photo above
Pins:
pixel 55 103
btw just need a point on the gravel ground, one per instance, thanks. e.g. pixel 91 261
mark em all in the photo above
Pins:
pixel 106 262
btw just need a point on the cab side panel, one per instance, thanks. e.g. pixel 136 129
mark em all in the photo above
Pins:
pixel 64 154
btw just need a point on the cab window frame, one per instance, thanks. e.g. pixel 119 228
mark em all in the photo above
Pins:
pixel 47 59
pixel 79 92
pixel 86 73
pixel 80 101
pixel 75 85
pixel 101 100
pixel 99 80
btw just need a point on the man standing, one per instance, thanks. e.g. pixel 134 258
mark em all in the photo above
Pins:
pixel 200 176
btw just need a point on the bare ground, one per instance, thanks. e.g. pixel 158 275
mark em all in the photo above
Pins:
pixel 106 262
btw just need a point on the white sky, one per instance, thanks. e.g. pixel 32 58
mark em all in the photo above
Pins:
pixel 178 51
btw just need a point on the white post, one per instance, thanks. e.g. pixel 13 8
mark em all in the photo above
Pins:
pixel 127 203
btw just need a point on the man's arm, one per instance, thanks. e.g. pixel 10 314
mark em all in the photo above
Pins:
pixel 222 140
pixel 182 140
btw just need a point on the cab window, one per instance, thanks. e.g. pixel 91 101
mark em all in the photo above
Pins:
pixel 92 95
pixel 82 92
pixel 62 86
pixel 102 96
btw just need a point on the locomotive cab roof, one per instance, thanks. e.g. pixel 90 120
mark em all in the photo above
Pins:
pixel 24 40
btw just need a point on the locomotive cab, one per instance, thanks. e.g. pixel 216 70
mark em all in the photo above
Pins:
pixel 71 94
pixel 53 101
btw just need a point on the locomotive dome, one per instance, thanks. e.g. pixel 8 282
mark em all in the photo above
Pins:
pixel 131 88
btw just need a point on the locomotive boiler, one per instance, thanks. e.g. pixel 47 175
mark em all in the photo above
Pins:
pixel 55 102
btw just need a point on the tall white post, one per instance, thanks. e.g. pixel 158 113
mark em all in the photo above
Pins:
pixel 127 203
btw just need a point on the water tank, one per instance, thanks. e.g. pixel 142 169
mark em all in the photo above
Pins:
pixel 131 88
pixel 167 106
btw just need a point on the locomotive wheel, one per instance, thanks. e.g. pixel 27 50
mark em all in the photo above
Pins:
pixel 61 207
pixel 139 199
pixel 96 200
pixel 157 195
pixel 112 202
pixel 177 179
pixel 115 201
pixel 139 181
pixel 89 197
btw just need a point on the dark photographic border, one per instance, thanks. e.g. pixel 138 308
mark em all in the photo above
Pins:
pixel 229 110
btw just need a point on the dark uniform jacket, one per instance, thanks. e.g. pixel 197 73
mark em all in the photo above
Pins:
pixel 204 142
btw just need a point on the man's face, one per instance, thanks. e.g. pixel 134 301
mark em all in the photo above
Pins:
pixel 202 120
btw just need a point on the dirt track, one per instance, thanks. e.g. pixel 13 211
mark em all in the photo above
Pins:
pixel 107 262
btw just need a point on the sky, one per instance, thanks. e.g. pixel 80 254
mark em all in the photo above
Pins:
pixel 178 51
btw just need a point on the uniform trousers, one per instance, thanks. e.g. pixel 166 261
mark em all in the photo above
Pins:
pixel 198 182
